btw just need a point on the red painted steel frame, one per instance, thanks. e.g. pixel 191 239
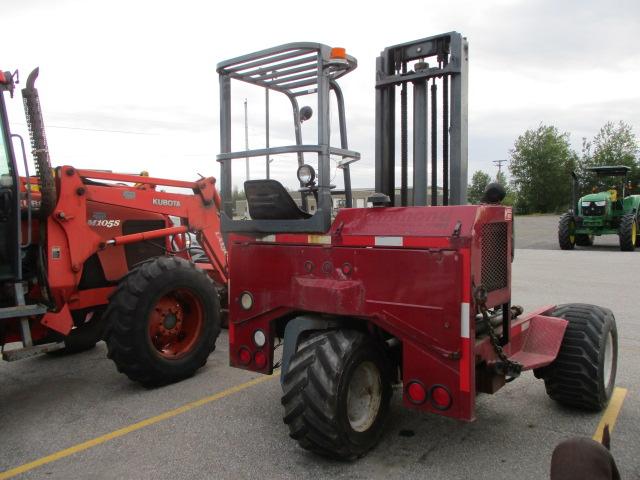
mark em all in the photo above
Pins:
pixel 408 271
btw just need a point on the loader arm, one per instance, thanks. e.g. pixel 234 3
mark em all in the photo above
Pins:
pixel 71 241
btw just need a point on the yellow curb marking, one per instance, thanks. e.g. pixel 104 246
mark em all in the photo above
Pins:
pixel 610 415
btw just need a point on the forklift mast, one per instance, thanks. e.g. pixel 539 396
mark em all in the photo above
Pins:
pixel 404 64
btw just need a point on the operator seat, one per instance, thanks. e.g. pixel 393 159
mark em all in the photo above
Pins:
pixel 269 200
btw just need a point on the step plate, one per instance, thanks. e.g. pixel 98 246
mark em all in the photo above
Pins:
pixel 541 342
pixel 26 352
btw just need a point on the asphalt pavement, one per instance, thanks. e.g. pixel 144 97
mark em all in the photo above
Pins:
pixel 48 404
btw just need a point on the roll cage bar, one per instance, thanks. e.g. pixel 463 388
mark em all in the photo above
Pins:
pixel 295 70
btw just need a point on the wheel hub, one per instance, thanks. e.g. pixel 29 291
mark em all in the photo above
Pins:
pixel 364 396
pixel 175 323
pixel 608 360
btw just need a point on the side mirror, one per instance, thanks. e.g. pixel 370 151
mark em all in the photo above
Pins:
pixel 305 114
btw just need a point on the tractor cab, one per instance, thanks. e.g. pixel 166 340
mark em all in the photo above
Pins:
pixel 606 210
pixel 613 181
pixel 9 196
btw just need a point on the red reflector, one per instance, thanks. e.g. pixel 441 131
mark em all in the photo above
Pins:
pixel 416 392
pixel 244 356
pixel 260 359
pixel 440 397
pixel 3 79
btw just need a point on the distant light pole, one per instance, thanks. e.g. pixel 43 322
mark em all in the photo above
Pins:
pixel 246 137
pixel 266 101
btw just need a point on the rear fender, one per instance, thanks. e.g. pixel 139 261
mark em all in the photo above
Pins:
pixel 294 330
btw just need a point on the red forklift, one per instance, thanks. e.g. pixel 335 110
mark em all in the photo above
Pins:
pixel 414 289
pixel 90 254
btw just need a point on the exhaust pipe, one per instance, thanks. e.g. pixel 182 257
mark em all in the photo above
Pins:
pixel 39 146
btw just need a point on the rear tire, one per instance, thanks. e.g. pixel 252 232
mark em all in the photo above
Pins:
pixel 163 321
pixel 336 394
pixel 584 372
pixel 628 232
pixel 566 232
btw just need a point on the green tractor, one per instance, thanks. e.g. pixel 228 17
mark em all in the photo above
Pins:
pixel 609 212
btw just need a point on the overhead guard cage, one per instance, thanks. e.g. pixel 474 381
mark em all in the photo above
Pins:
pixel 295 70
pixel 404 64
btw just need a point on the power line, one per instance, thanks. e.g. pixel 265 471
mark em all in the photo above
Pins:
pixel 129 132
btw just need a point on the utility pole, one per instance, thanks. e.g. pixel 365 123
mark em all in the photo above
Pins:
pixel 499 163
pixel 246 137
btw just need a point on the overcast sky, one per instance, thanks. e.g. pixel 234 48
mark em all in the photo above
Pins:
pixel 131 85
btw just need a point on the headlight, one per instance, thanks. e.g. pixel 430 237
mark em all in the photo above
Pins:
pixel 306 174
pixel 601 203
pixel 586 204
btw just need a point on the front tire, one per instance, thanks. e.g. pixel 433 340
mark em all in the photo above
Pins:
pixel 628 232
pixel 583 374
pixel 163 321
pixel 566 232
pixel 336 394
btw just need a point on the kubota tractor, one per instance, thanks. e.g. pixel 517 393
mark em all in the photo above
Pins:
pixel 602 213
pixel 402 292
pixel 87 253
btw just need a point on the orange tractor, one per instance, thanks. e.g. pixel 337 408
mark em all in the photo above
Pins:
pixel 89 254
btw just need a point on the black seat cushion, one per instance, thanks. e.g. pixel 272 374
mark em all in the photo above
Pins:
pixel 269 200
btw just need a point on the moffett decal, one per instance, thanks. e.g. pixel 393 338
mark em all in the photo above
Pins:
pixel 163 202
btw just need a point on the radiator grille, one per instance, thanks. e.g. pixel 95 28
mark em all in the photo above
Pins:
pixel 495 256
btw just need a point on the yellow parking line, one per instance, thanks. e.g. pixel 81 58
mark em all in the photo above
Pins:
pixel 611 413
pixel 131 428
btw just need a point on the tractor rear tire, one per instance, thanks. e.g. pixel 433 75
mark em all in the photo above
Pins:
pixel 566 232
pixel 584 240
pixel 628 232
pixel 583 374
pixel 336 394
pixel 163 321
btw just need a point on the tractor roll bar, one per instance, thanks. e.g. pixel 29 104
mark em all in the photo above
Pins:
pixel 293 69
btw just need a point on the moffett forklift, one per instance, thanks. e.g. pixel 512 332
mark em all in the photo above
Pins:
pixel 402 291
pixel 602 213
pixel 88 253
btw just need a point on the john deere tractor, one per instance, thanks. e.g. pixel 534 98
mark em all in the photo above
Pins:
pixel 609 212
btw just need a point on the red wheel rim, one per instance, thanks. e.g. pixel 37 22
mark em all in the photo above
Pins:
pixel 175 323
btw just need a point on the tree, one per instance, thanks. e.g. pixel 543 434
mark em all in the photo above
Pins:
pixel 614 144
pixel 541 163
pixel 510 197
pixel 479 182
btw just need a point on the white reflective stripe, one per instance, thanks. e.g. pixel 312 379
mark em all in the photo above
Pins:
pixel 464 320
pixel 321 239
pixel 388 241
